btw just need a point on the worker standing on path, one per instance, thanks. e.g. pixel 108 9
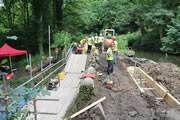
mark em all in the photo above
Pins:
pixel 100 41
pixel 110 58
pixel 90 40
pixel 96 41
pixel 115 48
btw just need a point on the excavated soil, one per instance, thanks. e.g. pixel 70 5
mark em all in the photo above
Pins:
pixel 124 101
pixel 166 73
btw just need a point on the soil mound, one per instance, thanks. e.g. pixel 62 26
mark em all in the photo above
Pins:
pixel 166 73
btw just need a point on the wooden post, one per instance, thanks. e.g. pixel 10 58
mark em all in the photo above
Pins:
pixel 135 70
pixel 10 63
pixel 88 107
pixel 35 108
pixel 140 80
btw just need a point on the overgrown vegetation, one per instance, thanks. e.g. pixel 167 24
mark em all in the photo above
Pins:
pixel 29 21
pixel 85 94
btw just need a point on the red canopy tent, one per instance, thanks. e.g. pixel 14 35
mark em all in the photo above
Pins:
pixel 7 50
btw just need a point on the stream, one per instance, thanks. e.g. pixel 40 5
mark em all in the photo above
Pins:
pixel 158 57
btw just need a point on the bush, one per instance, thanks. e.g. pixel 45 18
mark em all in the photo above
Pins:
pixel 59 39
pixel 149 41
pixel 171 42
pixel 123 41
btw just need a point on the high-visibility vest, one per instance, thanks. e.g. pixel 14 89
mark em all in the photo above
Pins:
pixel 100 39
pixel 115 46
pixel 89 41
pixel 81 42
pixel 96 39
pixel 110 56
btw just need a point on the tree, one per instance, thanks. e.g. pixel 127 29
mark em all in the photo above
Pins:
pixel 158 17
pixel 40 9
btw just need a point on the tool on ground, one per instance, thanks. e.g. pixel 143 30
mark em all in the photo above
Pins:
pixel 88 107
pixel 88 75
pixel 53 84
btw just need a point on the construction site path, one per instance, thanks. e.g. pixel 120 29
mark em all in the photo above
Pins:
pixel 124 101
pixel 68 90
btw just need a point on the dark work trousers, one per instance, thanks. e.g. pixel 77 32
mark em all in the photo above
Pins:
pixel 89 48
pixel 110 66
pixel 100 47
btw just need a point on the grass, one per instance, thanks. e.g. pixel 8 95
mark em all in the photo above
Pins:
pixel 35 59
pixel 123 41
pixel 16 82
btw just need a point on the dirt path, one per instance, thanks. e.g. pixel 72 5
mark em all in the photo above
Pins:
pixel 124 101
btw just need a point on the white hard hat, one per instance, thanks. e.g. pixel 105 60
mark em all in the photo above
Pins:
pixel 100 34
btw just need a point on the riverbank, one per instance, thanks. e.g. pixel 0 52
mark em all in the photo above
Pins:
pixel 158 57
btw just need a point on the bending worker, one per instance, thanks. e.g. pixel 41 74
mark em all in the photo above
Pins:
pixel 110 58
pixel 114 49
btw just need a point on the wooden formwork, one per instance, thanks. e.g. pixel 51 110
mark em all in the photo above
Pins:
pixel 143 79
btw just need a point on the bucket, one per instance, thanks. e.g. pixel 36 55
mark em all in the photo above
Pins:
pixel 84 50
pixel 61 76
pixel 93 49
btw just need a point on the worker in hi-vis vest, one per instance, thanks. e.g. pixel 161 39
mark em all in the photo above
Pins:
pixel 100 41
pixel 110 58
pixel 96 41
pixel 89 42
pixel 115 48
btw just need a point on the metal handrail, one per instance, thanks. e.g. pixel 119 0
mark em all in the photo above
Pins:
pixel 46 69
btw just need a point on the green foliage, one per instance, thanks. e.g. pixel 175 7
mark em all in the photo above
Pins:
pixel 150 41
pixel 158 15
pixel 171 42
pixel 19 95
pixel 85 94
pixel 122 43
pixel 60 38
pixel 16 82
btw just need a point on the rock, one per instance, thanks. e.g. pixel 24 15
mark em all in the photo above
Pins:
pixel 91 70
pixel 88 81
pixel 114 89
pixel 133 113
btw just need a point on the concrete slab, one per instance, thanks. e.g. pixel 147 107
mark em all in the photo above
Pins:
pixel 68 90
pixel 76 64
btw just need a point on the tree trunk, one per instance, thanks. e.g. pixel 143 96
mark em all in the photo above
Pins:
pixel 58 12
pixel 161 31
pixel 24 13
pixel 27 13
pixel 143 31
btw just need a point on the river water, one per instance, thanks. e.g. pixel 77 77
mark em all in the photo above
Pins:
pixel 158 57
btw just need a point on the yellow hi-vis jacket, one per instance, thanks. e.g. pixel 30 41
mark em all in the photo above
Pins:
pixel 96 39
pixel 110 55
pixel 100 39
pixel 89 41
pixel 81 42
pixel 115 46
